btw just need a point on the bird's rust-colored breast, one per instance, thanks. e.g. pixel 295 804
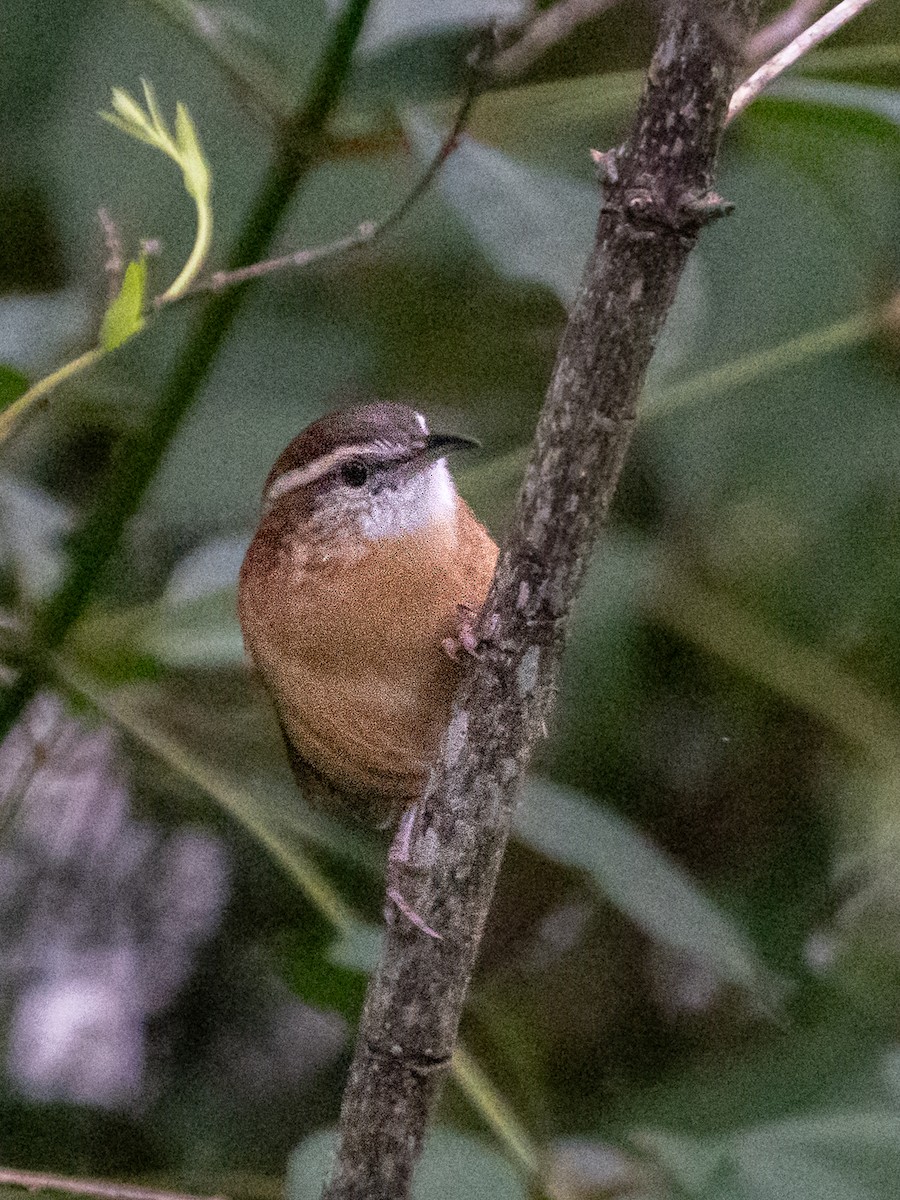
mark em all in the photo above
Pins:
pixel 348 640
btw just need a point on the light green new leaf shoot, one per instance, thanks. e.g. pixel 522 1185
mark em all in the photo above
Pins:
pixel 153 108
pixel 125 315
pixel 131 119
pixel 196 171
pixel 184 149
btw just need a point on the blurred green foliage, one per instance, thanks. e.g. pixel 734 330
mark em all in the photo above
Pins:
pixel 690 984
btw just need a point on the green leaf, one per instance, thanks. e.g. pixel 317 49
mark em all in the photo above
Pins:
pixel 156 118
pixel 305 960
pixel 853 1155
pixel 125 315
pixel 530 225
pixel 184 149
pixel 36 330
pixel 207 569
pixel 332 973
pixel 13 384
pixel 690 1163
pixel 203 632
pixel 454 1166
pixel 195 623
pixel 593 725
pixel 834 135
pixel 220 748
pixel 842 1156
pixel 33 529
pixel 642 881
pixel 539 227
pixel 881 103
pixel 131 116
pixel 544 122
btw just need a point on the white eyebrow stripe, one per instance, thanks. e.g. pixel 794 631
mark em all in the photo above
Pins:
pixel 299 477
pixel 423 424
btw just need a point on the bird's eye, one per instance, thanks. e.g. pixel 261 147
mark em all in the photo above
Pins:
pixel 354 473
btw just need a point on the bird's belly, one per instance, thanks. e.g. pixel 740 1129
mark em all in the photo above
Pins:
pixel 384 613
pixel 351 652
pixel 372 733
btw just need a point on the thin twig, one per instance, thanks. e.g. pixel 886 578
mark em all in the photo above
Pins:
pixel 782 29
pixel 35 1181
pixel 547 29
pixel 221 280
pixel 658 196
pixel 39 393
pixel 365 234
pixel 822 29
pixel 115 255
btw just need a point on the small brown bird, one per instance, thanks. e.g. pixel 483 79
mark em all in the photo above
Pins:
pixel 351 599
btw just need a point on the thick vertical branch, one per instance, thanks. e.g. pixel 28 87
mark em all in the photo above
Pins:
pixel 658 195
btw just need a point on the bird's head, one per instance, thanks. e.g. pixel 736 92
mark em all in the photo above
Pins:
pixel 371 472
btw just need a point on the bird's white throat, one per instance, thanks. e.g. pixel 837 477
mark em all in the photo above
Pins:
pixel 427 497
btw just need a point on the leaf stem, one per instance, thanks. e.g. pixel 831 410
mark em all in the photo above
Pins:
pixel 485 1099
pixel 198 256
pixel 843 334
pixel 314 885
pixel 41 390
pixel 800 674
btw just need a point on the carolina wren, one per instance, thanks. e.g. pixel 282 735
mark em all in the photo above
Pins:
pixel 363 560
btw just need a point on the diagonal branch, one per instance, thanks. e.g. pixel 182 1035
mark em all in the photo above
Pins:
pixel 368 232
pixel 658 195
pixel 802 44
pixel 547 29
pixel 473 1082
pixel 35 1181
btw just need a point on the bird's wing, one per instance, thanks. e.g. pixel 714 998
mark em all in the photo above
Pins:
pixel 320 792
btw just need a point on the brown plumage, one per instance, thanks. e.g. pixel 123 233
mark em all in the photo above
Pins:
pixel 347 593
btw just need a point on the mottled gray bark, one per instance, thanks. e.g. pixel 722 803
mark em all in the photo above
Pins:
pixel 657 196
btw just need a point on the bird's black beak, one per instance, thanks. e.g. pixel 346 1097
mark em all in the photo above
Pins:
pixel 439 444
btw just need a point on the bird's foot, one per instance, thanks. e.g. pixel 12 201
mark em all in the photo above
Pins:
pixel 466 640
